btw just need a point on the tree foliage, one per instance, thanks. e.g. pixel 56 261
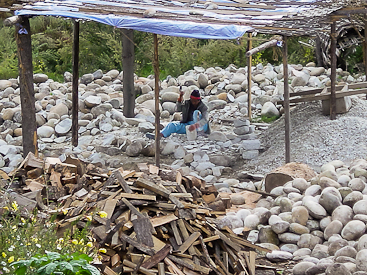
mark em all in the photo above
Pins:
pixel 101 48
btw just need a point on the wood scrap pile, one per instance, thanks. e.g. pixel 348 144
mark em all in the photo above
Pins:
pixel 156 221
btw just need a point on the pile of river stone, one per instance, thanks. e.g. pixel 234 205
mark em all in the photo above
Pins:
pixel 105 133
pixel 321 222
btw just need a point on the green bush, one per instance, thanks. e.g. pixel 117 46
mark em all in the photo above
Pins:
pixel 53 263
pixel 22 237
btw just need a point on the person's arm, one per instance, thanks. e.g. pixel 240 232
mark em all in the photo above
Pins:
pixel 179 101
pixel 204 118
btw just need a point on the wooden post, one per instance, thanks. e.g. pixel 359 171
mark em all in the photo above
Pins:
pixel 249 76
pixel 333 71
pixel 75 93
pixel 25 67
pixel 319 60
pixel 128 76
pixel 286 102
pixel 365 47
pixel 156 97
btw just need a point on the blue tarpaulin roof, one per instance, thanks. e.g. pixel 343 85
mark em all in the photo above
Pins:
pixel 158 26
pixel 206 19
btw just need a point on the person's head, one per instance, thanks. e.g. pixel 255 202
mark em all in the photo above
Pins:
pixel 195 97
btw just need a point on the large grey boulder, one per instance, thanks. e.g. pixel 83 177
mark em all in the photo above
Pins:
pixel 63 127
pixel 269 110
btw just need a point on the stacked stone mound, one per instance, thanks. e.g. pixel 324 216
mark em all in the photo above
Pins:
pixel 321 222
pixel 105 133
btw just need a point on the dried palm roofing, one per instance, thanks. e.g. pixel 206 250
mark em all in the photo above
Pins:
pixel 218 19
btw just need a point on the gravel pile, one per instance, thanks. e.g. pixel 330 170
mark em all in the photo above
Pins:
pixel 315 139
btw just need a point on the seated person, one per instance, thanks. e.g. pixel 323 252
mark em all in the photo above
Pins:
pixel 194 113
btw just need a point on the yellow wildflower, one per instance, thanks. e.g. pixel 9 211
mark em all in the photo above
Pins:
pixel 28 244
pixel 6 208
pixel 74 241
pixel 61 240
pixel 34 239
pixel 3 254
pixel 89 244
pixel 22 220
pixel 14 205
pixel 81 241
pixel 65 211
pixel 89 218
pixel 11 259
pixel 102 214
pixel 58 247
pixel 102 250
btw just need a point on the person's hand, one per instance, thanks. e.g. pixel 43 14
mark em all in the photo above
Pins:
pixel 181 96
pixel 193 127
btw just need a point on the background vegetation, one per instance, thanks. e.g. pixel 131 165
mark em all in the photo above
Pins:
pixel 101 47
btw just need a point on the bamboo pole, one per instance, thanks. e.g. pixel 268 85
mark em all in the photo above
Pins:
pixel 286 102
pixel 249 75
pixel 75 88
pixel 333 72
pixel 156 97
pixel 25 69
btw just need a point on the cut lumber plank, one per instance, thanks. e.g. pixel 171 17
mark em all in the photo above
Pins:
pixel 189 241
pixel 153 187
pixel 158 221
pixel 109 207
pixel 146 249
pixel 143 229
pixel 158 257
pixel 132 208
pixel 120 179
pixel 209 239
pixel 173 266
pixel 189 264
pixel 228 241
pixel 141 269
pixel 176 233
pixel 137 196
pixel 161 269
pixel 185 235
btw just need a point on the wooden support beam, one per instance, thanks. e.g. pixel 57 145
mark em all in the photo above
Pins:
pixel 29 126
pixel 249 75
pixel 263 46
pixel 156 97
pixel 318 52
pixel 75 92
pixel 128 76
pixel 365 47
pixel 333 71
pixel 11 21
pixel 286 102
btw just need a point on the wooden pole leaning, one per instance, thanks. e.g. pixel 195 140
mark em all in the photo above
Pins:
pixel 286 102
pixel 333 71
pixel 75 87
pixel 25 68
pixel 156 98
pixel 249 75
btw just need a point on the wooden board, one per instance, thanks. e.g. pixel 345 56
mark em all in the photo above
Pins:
pixel 158 221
